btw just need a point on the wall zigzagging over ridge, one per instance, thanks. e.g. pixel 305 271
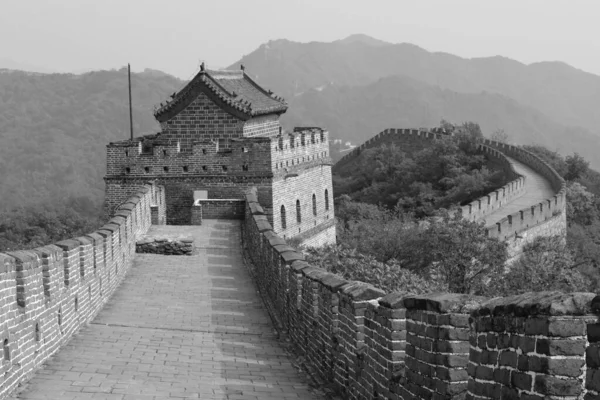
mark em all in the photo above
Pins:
pixel 511 225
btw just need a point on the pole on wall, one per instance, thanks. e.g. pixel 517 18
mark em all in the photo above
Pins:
pixel 130 109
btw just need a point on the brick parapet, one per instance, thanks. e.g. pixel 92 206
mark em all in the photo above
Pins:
pixel 48 293
pixel 373 345
pixel 487 204
pixel 535 346
pixel 535 214
pixel 217 209
pixel 511 226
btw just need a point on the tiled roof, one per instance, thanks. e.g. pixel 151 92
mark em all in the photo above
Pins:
pixel 234 91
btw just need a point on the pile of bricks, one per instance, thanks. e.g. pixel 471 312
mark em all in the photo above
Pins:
pixel 166 246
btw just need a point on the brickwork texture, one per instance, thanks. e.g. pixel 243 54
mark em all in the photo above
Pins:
pixel 542 219
pixel 48 293
pixel 373 345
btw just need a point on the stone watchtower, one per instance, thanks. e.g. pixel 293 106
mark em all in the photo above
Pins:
pixel 220 135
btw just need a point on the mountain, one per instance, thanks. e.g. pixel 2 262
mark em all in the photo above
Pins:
pixel 54 129
pixel 564 94
pixel 357 113
pixel 364 39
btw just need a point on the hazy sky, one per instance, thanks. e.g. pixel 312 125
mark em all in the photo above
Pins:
pixel 173 35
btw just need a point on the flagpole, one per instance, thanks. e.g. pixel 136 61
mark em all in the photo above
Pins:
pixel 130 109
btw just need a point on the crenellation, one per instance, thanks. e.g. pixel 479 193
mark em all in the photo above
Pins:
pixel 371 345
pixel 221 135
pixel 48 293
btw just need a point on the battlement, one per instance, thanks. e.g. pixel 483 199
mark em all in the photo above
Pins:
pixel 513 225
pixel 413 139
pixel 535 214
pixel 485 205
pixel 370 344
pixel 48 293
pixel 156 158
pixel 302 148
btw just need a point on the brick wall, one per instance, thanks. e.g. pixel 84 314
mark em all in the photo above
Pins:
pixel 535 214
pixel 542 219
pixel 302 181
pixel 487 204
pixel 373 345
pixel 48 293
pixel 533 346
pixel 217 209
pixel 285 168
pixel 310 193
pixel 592 361
pixel 201 120
pixel 265 125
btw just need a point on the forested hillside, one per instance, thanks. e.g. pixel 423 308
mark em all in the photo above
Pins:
pixel 358 86
pixel 54 130
pixel 357 113
pixel 564 93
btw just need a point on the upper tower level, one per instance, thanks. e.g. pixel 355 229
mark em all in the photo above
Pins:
pixel 219 106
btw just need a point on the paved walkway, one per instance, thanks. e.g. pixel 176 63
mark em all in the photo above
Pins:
pixel 537 189
pixel 178 327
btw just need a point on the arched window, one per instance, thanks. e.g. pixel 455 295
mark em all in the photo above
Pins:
pixel 326 199
pixel 314 204
pixel 283 222
pixel 298 212
pixel 6 350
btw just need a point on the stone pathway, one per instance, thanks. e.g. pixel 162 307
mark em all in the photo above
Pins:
pixel 178 327
pixel 537 189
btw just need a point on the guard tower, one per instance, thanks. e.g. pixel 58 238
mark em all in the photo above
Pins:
pixel 220 135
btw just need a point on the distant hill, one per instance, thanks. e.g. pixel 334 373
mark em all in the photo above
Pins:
pixel 54 127
pixel 364 39
pixel 358 112
pixel 54 130
pixel 565 95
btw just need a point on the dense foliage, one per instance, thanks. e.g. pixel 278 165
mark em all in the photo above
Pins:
pixel 443 252
pixel 54 130
pixel 30 227
pixel 400 245
pixel 446 173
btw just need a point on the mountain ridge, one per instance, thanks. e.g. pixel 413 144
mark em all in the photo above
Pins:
pixel 563 92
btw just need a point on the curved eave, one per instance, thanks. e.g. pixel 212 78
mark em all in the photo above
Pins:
pixel 203 83
pixel 175 107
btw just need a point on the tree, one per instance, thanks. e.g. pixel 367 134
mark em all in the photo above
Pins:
pixel 447 126
pixel 582 206
pixel 445 249
pixel 462 255
pixel 577 167
pixel 472 129
pixel 555 160
pixel 546 264
pixel 499 135
pixel 353 265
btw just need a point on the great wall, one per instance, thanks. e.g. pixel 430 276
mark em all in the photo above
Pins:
pixel 193 327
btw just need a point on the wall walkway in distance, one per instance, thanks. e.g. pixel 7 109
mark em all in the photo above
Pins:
pixel 532 204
